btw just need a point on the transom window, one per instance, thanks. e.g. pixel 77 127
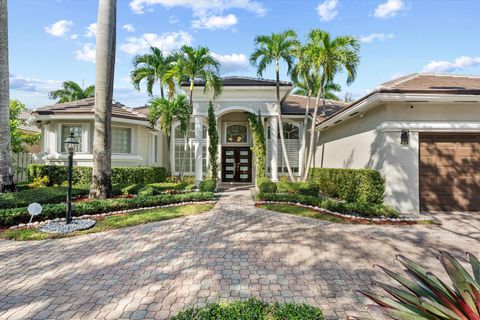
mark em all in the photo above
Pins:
pixel 290 131
pixel 78 134
pixel 236 133
pixel 121 140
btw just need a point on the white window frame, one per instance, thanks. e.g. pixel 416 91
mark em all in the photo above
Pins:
pixel 240 144
pixel 132 133
pixel 154 148
pixel 85 137
pixel 279 148
pixel 191 142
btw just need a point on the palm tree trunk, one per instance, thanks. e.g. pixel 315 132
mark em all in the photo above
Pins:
pixel 161 90
pixel 192 83
pixel 304 137
pixel 6 164
pixel 105 58
pixel 280 125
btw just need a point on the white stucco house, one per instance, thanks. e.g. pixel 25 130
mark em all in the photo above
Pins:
pixel 421 131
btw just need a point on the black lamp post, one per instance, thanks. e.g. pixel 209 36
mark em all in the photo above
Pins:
pixel 70 144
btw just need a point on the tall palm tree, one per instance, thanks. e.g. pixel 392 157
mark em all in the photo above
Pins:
pixel 330 89
pixel 6 165
pixel 271 50
pixel 105 58
pixel 329 57
pixel 196 64
pixel 165 112
pixel 72 91
pixel 151 68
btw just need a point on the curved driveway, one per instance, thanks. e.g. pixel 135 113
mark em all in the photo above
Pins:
pixel 235 251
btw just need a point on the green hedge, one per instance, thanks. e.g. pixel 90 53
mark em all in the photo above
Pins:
pixel 83 175
pixel 266 185
pixel 9 217
pixel 368 210
pixel 208 185
pixel 351 185
pixel 303 188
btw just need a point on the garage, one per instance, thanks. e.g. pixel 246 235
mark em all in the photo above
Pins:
pixel 449 175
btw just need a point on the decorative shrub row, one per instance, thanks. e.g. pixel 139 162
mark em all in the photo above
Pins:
pixel 83 175
pixel 265 185
pixel 208 185
pixel 303 188
pixel 351 185
pixel 9 217
pixel 369 210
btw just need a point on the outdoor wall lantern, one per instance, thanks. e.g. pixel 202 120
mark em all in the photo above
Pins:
pixel 404 137
pixel 70 144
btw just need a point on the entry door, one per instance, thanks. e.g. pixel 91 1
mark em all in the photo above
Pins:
pixel 236 164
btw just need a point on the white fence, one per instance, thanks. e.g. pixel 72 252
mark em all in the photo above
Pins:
pixel 20 163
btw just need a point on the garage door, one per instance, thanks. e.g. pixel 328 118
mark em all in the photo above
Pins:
pixel 449 172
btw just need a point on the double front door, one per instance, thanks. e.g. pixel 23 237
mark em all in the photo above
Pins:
pixel 236 164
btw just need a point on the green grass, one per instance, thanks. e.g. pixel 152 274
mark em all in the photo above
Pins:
pixel 112 222
pixel 299 211
pixel 251 309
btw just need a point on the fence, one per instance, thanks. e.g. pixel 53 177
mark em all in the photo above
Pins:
pixel 20 163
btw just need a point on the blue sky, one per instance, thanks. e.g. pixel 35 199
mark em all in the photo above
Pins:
pixel 53 40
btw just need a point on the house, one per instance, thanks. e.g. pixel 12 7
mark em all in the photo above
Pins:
pixel 421 131
pixel 27 128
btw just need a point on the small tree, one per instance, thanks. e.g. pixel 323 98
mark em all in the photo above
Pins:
pixel 259 147
pixel 213 137
pixel 19 139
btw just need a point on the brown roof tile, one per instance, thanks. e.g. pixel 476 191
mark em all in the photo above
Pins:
pixel 235 81
pixel 295 104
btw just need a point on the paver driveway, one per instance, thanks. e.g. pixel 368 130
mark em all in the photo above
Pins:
pixel 233 252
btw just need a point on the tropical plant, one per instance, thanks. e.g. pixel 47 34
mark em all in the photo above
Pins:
pixel 71 91
pixel 329 57
pixel 19 139
pixel 105 67
pixel 330 89
pixel 213 138
pixel 424 296
pixel 165 112
pixel 152 67
pixel 6 165
pixel 271 50
pixel 259 147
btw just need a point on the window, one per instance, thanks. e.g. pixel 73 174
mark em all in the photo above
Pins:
pixel 291 133
pixel 184 156
pixel 78 134
pixel 121 140
pixel 153 148
pixel 236 133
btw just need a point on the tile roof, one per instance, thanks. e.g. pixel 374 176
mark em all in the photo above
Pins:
pixel 24 116
pixel 235 81
pixel 295 104
pixel 86 106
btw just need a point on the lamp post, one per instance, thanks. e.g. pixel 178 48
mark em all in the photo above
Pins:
pixel 70 144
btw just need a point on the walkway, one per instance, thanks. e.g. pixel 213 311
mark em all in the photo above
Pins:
pixel 235 251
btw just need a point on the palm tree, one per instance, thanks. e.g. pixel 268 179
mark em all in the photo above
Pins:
pixel 105 58
pixel 271 50
pixel 6 165
pixel 151 68
pixel 329 57
pixel 330 89
pixel 166 111
pixel 72 91
pixel 196 64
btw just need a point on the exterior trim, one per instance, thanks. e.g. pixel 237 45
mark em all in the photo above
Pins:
pixel 430 126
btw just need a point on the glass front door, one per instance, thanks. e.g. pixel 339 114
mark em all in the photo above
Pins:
pixel 236 164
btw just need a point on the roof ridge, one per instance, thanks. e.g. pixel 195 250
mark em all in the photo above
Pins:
pixel 124 107
pixel 449 75
pixel 397 81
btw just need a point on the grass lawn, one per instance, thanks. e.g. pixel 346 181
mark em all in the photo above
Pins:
pixel 113 222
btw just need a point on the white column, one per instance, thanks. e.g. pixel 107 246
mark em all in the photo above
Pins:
pixel 198 149
pixel 274 148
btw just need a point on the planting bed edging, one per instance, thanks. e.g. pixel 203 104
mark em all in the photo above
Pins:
pixel 105 214
pixel 400 220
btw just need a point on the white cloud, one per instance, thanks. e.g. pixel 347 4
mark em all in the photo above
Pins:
pixel 215 22
pixel 327 10
pixel 173 19
pixel 201 6
pixel 389 9
pixel 33 85
pixel 376 36
pixel 128 27
pixel 59 28
pixel 458 64
pixel 74 36
pixel 166 41
pixel 87 53
pixel 232 62
pixel 91 30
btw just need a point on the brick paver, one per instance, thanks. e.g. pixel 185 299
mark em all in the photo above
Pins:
pixel 234 252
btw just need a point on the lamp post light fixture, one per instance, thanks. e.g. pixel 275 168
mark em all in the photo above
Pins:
pixel 70 144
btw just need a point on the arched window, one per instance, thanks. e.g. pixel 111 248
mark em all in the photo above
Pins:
pixel 236 133
pixel 291 133
pixel 184 155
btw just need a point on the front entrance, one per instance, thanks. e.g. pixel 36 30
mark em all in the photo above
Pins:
pixel 236 164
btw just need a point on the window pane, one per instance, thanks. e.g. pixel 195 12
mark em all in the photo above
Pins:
pixel 237 133
pixel 77 131
pixel 121 140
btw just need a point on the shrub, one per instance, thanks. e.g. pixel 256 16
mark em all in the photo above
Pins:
pixel 39 182
pixel 351 185
pixel 251 309
pixel 264 185
pixel 209 185
pixel 304 188
pixel 14 216
pixel 83 175
pixel 368 210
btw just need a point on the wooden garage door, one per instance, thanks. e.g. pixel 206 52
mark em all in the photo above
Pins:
pixel 449 172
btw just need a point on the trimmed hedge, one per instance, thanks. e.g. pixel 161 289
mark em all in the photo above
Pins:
pixel 351 185
pixel 9 217
pixel 83 175
pixel 368 210
pixel 209 185
pixel 303 188
pixel 265 185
